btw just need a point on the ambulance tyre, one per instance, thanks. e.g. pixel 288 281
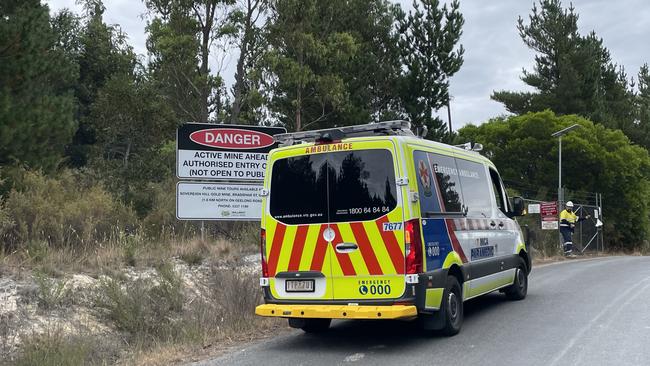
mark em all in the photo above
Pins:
pixel 519 289
pixel 452 307
pixel 310 325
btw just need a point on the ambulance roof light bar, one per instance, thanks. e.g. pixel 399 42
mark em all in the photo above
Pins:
pixel 397 127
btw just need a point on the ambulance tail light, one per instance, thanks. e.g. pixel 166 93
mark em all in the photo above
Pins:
pixel 413 243
pixel 265 266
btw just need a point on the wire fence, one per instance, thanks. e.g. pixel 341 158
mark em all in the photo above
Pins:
pixel 587 235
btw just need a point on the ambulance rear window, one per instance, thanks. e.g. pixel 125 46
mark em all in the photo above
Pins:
pixel 333 187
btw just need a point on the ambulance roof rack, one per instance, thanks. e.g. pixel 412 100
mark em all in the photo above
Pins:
pixel 397 127
pixel 471 146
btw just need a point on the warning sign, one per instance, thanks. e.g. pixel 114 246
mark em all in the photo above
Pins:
pixel 549 215
pixel 218 201
pixel 223 152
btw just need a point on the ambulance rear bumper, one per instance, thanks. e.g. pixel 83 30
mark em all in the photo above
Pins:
pixel 338 311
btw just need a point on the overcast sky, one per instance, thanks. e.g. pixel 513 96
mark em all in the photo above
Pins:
pixel 494 53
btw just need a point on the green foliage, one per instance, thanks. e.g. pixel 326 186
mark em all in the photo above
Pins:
pixel 371 77
pixel 305 60
pixel 131 244
pixel 6 222
pixel 642 105
pixel 63 211
pixel 101 51
pixel 595 159
pixel 51 292
pixel 174 47
pixel 250 38
pixel 36 250
pixel 56 350
pixel 181 39
pixel 192 258
pixel 429 39
pixel 36 76
pixel 133 121
pixel 573 74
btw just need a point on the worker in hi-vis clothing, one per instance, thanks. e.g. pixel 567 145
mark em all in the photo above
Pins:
pixel 568 221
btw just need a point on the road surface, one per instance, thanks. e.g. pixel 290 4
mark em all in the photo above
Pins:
pixel 583 312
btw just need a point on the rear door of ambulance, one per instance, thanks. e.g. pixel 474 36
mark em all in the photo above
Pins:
pixel 339 212
pixel 295 220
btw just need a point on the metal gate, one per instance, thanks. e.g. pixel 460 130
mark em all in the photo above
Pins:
pixel 587 236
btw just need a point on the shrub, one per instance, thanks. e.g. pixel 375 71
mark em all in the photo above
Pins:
pixel 50 292
pixel 149 309
pixel 55 350
pixel 6 222
pixel 226 309
pixel 67 210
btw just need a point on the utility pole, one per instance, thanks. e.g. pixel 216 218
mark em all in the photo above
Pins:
pixel 449 119
pixel 560 198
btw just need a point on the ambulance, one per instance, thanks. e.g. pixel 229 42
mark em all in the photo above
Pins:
pixel 374 222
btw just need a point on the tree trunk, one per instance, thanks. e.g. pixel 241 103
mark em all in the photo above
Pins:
pixel 127 153
pixel 298 108
pixel 204 69
pixel 299 94
pixel 243 54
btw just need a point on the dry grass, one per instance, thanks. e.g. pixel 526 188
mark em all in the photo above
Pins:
pixel 166 323
pixel 161 319
pixel 55 348
pixel 113 255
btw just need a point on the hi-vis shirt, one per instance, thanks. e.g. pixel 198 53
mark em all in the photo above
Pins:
pixel 567 218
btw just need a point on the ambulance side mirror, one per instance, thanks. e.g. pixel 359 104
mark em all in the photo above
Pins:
pixel 518 206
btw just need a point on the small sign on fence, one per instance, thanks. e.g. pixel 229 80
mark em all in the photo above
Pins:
pixel 533 208
pixel 549 215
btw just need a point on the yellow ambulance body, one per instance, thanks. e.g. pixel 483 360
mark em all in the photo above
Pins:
pixel 372 222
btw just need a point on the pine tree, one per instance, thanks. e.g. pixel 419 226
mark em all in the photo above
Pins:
pixel 304 62
pixel 642 105
pixel 431 54
pixel 250 39
pixel 103 52
pixel 36 87
pixel 182 35
pixel 573 74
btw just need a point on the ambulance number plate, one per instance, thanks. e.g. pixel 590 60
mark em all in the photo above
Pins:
pixel 299 285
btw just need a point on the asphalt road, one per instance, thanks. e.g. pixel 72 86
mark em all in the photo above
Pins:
pixel 583 312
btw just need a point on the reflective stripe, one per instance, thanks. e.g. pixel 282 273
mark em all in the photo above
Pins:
pixel 320 251
pixel 394 251
pixel 455 244
pixel 366 248
pixel 343 259
pixel 298 246
pixel 276 246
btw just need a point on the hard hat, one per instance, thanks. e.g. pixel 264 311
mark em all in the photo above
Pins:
pixel 569 204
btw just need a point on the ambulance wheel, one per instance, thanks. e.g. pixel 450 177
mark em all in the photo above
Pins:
pixel 519 289
pixel 310 325
pixel 452 307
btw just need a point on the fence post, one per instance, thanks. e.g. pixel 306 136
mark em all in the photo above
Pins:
pixel 602 229
pixel 598 218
